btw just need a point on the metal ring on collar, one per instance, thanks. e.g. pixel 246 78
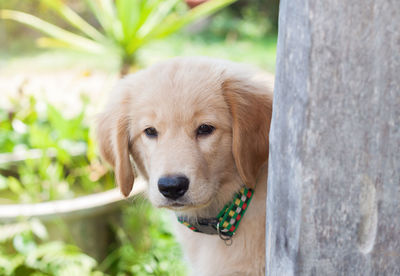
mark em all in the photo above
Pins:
pixel 227 239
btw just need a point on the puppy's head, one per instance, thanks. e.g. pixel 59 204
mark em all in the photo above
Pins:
pixel 196 129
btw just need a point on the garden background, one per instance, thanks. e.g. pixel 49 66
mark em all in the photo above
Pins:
pixel 58 63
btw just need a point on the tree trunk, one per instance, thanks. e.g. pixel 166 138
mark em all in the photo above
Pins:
pixel 333 205
pixel 127 65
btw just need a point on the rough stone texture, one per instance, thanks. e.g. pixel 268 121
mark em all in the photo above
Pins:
pixel 333 205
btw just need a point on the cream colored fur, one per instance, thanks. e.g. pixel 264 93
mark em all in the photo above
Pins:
pixel 176 97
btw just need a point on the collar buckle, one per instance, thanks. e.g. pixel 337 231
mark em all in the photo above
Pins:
pixel 227 239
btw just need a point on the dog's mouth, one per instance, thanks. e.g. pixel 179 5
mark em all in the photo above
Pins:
pixel 175 206
pixel 183 206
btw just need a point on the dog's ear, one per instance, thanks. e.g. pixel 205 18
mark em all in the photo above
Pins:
pixel 250 104
pixel 113 137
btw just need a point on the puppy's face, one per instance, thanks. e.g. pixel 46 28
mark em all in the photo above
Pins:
pixel 191 130
pixel 183 138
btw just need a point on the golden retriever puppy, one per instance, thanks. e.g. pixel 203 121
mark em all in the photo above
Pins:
pixel 197 130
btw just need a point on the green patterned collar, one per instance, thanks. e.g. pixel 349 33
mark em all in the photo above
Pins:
pixel 227 221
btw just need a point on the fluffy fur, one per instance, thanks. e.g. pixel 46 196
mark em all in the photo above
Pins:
pixel 176 97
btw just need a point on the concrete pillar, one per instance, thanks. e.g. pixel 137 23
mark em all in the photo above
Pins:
pixel 333 205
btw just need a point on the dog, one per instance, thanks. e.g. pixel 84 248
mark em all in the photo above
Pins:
pixel 197 130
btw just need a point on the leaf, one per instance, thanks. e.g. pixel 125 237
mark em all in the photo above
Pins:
pixel 24 243
pixel 91 152
pixel 72 129
pixel 14 185
pixel 57 258
pixel 40 137
pixel 156 17
pixel 48 42
pixel 38 229
pixel 57 122
pixel 74 19
pixel 10 264
pixel 9 231
pixel 129 13
pixel 106 14
pixel 75 41
pixel 3 182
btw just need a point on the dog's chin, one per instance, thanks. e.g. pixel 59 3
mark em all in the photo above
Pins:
pixel 180 207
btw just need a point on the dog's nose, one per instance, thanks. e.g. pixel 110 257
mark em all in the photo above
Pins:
pixel 173 187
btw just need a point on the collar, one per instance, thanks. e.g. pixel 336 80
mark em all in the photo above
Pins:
pixel 226 222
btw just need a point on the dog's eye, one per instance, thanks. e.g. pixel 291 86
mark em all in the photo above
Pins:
pixel 151 132
pixel 205 130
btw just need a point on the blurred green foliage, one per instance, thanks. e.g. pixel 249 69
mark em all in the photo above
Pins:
pixel 244 31
pixel 67 164
pixel 25 250
pixel 126 25
pixel 261 11
pixel 29 124
pixel 144 246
